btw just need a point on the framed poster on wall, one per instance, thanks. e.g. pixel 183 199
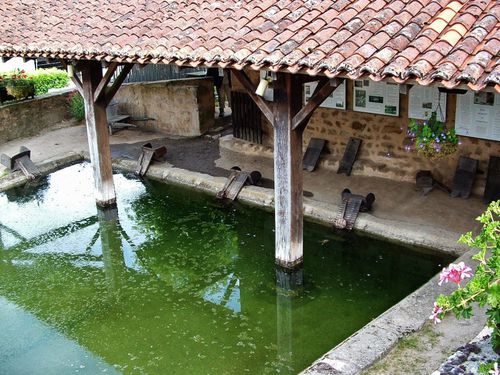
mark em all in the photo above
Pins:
pixel 478 115
pixel 423 100
pixel 376 97
pixel 336 100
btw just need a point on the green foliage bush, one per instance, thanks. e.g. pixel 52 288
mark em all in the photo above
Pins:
pixel 42 80
pixel 45 79
pixel 76 106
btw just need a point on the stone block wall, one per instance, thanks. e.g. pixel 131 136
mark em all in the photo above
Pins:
pixel 179 107
pixel 383 152
pixel 29 117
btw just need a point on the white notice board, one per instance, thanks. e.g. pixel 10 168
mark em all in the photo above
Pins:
pixel 376 97
pixel 423 100
pixel 478 115
pixel 336 100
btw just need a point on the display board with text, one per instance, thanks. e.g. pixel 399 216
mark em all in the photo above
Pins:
pixel 422 101
pixel 336 100
pixel 478 115
pixel 376 97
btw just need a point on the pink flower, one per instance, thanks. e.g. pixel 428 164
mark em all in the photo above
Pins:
pixel 455 273
pixel 436 313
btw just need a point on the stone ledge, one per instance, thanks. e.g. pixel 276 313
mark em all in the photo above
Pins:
pixel 48 166
pixel 377 338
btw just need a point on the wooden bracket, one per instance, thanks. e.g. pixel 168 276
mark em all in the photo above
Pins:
pixel 100 91
pixel 242 77
pixel 111 91
pixel 74 78
pixel 323 90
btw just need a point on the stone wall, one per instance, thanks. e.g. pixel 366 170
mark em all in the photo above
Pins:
pixel 383 153
pixel 179 107
pixel 29 117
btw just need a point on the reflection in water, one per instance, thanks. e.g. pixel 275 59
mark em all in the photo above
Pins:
pixel 289 287
pixel 170 282
pixel 111 244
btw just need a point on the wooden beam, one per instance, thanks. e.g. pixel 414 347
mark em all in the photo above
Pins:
pixel 74 78
pixel 111 91
pixel 323 90
pixel 101 88
pixel 78 84
pixel 250 90
pixel 287 172
pixel 97 134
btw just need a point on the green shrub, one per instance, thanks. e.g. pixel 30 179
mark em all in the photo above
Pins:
pixel 76 106
pixel 45 79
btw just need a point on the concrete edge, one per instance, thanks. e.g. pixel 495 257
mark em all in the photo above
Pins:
pixel 48 166
pixel 363 348
pixel 424 236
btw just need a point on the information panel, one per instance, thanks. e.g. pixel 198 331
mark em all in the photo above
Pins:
pixel 337 98
pixel 478 115
pixel 423 100
pixel 376 97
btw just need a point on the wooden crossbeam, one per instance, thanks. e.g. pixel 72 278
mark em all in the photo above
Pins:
pixel 111 91
pixel 242 77
pixel 74 78
pixel 323 90
pixel 78 84
pixel 100 91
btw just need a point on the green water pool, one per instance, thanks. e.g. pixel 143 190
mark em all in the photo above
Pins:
pixel 174 282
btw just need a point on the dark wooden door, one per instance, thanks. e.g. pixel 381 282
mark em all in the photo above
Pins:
pixel 246 118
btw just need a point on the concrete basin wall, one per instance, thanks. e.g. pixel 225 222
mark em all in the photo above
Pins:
pixel 183 107
pixel 27 118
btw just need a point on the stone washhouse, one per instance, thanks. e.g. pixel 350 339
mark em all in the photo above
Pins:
pixel 364 52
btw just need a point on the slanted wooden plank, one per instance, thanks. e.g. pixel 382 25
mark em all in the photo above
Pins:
pixel 288 173
pixel 323 90
pixel 312 154
pixel 250 90
pixel 492 187
pixel 97 133
pixel 111 91
pixel 350 155
pixel 100 91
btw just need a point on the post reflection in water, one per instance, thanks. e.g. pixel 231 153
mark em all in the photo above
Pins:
pixel 111 242
pixel 289 286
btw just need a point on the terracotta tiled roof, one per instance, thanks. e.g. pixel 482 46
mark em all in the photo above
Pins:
pixel 450 41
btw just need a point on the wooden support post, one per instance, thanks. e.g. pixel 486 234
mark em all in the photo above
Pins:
pixel 288 172
pixel 289 120
pixel 97 133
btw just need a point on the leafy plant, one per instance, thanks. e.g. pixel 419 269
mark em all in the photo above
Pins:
pixel 484 286
pixel 45 79
pixel 18 85
pixel 431 138
pixel 24 84
pixel 76 106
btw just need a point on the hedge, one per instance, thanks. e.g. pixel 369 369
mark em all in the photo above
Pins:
pixel 45 79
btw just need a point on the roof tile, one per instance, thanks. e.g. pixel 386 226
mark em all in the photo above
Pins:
pixel 453 41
